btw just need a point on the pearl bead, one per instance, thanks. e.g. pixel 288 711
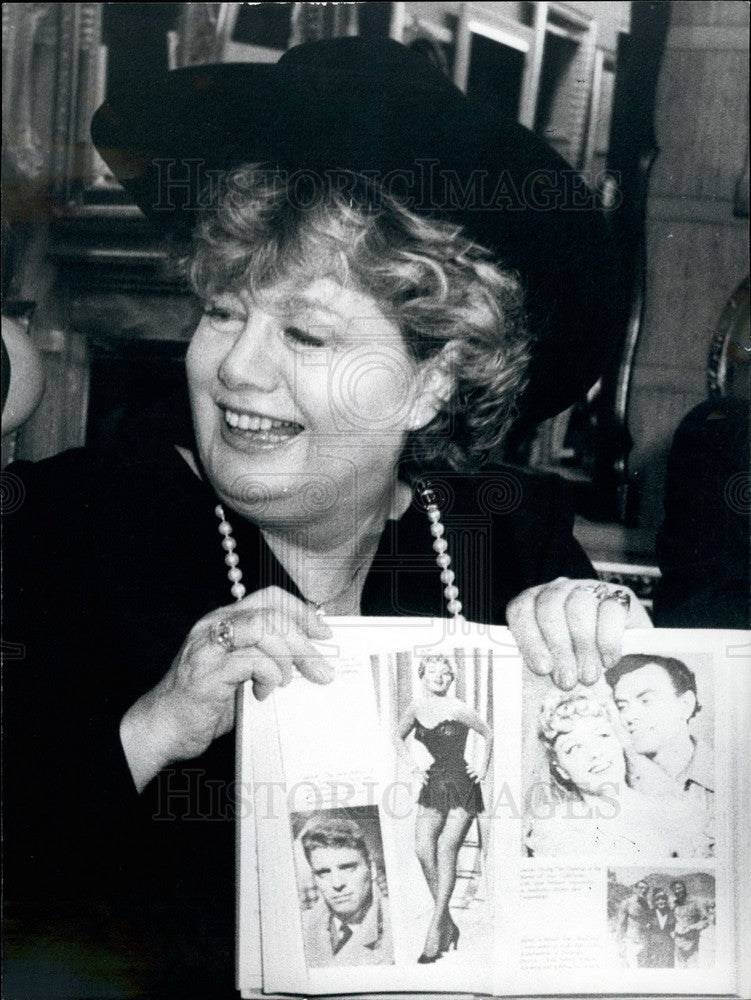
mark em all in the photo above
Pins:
pixel 231 558
pixel 440 546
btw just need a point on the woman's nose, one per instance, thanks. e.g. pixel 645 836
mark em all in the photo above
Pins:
pixel 251 361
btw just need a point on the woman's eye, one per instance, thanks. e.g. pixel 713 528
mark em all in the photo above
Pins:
pixel 303 338
pixel 222 314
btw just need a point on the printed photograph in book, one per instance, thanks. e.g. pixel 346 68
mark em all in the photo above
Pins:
pixel 439 710
pixel 662 919
pixel 341 878
pixel 624 768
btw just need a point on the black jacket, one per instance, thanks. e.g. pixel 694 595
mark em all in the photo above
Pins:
pixel 109 561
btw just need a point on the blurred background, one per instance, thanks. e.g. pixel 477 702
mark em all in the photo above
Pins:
pixel 648 99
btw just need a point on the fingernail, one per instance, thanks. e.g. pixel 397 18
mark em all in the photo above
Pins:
pixel 325 673
pixel 543 667
pixel 566 679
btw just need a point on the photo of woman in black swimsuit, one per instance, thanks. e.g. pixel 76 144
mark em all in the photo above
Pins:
pixel 450 796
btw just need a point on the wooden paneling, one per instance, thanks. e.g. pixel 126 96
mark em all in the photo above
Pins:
pixel 700 123
pixel 692 269
pixel 697 249
pixel 724 13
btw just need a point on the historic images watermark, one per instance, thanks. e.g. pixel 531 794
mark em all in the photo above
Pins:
pixel 189 795
pixel 426 186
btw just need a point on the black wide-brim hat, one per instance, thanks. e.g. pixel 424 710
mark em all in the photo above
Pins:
pixel 377 108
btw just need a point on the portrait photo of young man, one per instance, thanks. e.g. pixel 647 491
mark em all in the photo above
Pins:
pixel 349 924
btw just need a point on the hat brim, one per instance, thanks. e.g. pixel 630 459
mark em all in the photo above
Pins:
pixel 376 108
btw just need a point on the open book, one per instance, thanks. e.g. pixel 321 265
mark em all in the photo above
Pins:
pixel 440 819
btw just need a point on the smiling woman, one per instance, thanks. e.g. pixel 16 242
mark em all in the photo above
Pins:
pixel 321 355
pixel 274 414
pixel 346 260
pixel 358 362
pixel 591 808
pixel 584 751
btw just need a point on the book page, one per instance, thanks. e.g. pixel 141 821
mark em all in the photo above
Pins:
pixel 248 956
pixel 590 859
pixel 377 845
pixel 628 825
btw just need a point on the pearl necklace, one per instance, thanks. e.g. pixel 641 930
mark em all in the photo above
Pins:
pixel 440 546
pixel 231 558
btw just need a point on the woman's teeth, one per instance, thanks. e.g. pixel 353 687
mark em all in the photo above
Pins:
pixel 265 425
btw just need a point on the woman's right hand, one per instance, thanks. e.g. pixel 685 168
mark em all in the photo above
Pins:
pixel 476 774
pixel 194 703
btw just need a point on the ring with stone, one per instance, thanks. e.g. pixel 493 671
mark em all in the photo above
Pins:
pixel 621 596
pixel 223 633
pixel 600 590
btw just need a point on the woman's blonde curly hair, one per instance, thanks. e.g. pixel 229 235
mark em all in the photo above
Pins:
pixel 560 712
pixel 451 301
pixel 559 715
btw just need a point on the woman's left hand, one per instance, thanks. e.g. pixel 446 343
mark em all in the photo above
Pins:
pixel 572 630
pixel 475 774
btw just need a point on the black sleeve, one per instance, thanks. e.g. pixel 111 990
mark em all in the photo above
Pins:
pixel 533 540
pixel 69 797
pixel 702 546
pixel 560 553
pixel 544 531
